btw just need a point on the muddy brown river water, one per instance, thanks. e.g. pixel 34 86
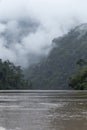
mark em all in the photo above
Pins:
pixel 43 110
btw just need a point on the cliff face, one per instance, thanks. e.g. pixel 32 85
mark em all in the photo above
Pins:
pixel 54 71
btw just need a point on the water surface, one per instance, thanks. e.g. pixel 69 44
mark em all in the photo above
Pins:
pixel 43 110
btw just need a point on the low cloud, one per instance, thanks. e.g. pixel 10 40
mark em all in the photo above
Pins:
pixel 27 27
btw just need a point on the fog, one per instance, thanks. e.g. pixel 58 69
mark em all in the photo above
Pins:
pixel 27 27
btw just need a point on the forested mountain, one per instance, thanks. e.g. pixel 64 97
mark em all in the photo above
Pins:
pixel 54 71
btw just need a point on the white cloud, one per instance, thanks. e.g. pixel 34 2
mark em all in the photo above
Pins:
pixel 55 17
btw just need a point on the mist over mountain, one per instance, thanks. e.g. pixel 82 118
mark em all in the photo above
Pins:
pixel 14 31
pixel 13 35
pixel 54 71
pixel 27 27
pixel 18 40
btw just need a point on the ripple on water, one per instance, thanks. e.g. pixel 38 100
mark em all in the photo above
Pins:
pixel 2 128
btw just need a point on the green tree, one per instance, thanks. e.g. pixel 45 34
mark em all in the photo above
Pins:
pixel 11 76
pixel 79 81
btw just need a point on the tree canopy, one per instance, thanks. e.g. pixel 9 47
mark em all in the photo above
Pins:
pixel 79 81
pixel 11 76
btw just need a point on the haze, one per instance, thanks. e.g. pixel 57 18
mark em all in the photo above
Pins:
pixel 27 27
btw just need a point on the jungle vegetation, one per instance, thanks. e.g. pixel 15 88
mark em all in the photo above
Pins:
pixel 11 76
pixel 79 81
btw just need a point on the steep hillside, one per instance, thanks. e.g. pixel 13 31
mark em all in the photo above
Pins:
pixel 54 72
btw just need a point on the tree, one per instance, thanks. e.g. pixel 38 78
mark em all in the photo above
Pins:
pixel 79 81
pixel 81 62
pixel 11 76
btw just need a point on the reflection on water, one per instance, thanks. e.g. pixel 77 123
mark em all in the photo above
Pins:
pixel 43 110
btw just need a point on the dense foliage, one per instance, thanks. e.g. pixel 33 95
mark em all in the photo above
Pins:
pixel 79 81
pixel 11 76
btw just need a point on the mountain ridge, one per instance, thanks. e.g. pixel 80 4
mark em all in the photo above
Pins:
pixel 54 71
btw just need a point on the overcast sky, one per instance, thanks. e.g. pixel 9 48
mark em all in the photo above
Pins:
pixel 55 17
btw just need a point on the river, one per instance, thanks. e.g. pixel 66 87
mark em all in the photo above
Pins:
pixel 43 110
